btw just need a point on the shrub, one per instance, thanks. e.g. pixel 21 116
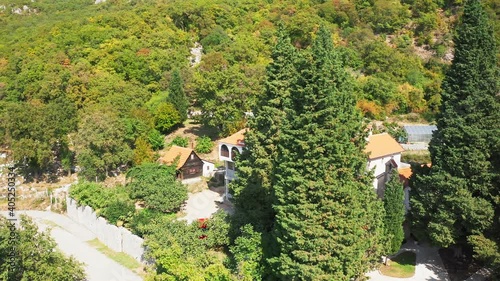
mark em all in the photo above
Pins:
pixel 118 210
pixel 204 145
pixel 90 194
pixel 157 186
pixel 142 218
pixel 180 141
pixel 155 138
pixel 166 117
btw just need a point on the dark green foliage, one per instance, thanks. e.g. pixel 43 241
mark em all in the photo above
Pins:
pixel 155 138
pixel 180 141
pixel 456 201
pixel 118 210
pixel 36 257
pixel 204 145
pixel 166 118
pixel 394 213
pixel 157 186
pixel 90 194
pixel 328 219
pixel 100 144
pixel 37 131
pixel 143 218
pixel 185 252
pixel 248 254
pixel 176 95
pixel 252 188
pixel 112 203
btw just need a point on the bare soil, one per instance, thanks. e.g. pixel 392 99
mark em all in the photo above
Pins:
pixel 193 130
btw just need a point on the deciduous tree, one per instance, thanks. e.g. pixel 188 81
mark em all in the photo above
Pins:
pixel 36 256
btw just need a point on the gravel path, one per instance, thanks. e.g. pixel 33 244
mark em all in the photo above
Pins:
pixel 71 240
pixel 429 266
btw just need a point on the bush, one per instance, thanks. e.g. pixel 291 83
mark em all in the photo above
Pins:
pixel 166 117
pixel 90 194
pixel 155 138
pixel 180 141
pixel 118 210
pixel 144 218
pixel 157 186
pixel 204 145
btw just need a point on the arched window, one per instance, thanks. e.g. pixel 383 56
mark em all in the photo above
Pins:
pixel 234 153
pixel 224 151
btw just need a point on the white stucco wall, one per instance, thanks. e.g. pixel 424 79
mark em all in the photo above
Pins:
pixel 378 165
pixel 230 147
pixel 208 169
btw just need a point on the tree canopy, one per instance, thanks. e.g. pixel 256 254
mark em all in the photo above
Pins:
pixel 456 200
pixel 36 257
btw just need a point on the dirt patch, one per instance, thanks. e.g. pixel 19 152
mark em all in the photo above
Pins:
pixel 192 130
pixel 461 268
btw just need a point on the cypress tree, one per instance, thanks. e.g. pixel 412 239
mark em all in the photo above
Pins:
pixel 458 196
pixel 328 219
pixel 176 95
pixel 252 188
pixel 394 213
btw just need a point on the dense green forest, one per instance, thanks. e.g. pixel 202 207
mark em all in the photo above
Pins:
pixel 98 86
pixel 73 73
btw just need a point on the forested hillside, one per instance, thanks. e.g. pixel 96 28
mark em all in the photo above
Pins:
pixel 88 83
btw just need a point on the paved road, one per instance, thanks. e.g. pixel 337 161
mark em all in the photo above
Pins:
pixel 429 266
pixel 71 239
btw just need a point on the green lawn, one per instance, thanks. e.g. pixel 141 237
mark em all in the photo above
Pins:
pixel 120 258
pixel 402 266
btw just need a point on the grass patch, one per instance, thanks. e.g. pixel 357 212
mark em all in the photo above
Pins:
pixel 120 258
pixel 402 266
pixel 50 223
pixel 421 157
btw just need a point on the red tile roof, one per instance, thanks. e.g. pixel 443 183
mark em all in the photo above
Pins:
pixel 174 152
pixel 380 145
pixel 236 138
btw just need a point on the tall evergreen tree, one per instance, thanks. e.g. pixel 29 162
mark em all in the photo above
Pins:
pixel 176 95
pixel 328 219
pixel 458 196
pixel 252 188
pixel 394 213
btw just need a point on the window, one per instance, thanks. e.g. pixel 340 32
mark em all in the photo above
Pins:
pixel 230 165
pixel 234 153
pixel 192 171
pixel 224 151
pixel 192 156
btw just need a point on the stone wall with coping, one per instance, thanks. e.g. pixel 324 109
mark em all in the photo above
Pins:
pixel 116 238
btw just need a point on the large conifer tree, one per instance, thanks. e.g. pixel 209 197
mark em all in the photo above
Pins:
pixel 457 197
pixel 176 95
pixel 394 213
pixel 328 219
pixel 252 188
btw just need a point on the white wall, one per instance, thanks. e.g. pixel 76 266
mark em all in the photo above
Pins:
pixel 378 165
pixel 230 147
pixel 208 169
pixel 116 238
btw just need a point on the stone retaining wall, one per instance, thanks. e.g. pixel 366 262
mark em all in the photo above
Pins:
pixel 116 238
